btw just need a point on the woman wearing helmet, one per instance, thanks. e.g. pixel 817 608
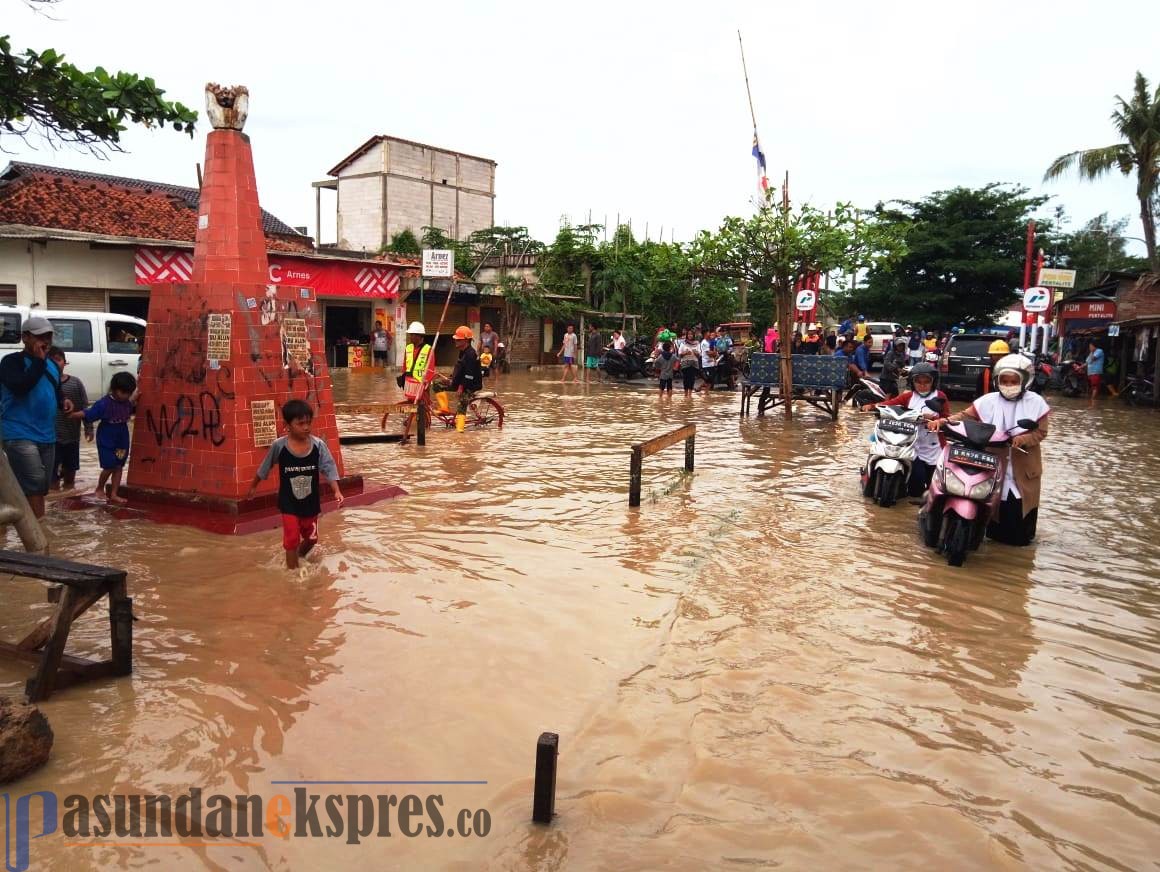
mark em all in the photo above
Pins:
pixel 1003 408
pixel 923 380
pixel 984 383
pixel 893 362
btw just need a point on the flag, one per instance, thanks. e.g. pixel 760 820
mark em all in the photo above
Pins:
pixel 763 180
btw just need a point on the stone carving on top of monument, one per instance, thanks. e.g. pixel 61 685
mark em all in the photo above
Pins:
pixel 227 108
pixel 224 351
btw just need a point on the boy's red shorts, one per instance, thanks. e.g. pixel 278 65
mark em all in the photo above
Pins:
pixel 1094 381
pixel 296 530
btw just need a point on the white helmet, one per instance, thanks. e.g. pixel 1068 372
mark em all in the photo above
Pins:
pixel 1019 365
pixel 417 329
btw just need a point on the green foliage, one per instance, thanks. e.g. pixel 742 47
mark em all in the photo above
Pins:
pixel 1098 247
pixel 563 265
pixel 404 243
pixel 964 258
pixel 776 246
pixel 41 92
pixel 1137 120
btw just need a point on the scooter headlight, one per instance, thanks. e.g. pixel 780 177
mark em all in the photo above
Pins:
pixel 953 485
pixel 982 490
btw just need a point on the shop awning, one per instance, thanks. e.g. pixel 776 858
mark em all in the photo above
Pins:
pixel 334 278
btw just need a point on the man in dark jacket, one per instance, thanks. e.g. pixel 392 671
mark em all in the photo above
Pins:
pixel 29 400
pixel 467 377
pixel 893 363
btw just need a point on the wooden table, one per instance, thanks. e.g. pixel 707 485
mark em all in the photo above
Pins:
pixel 81 587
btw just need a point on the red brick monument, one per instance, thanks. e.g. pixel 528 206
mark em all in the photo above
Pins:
pixel 223 352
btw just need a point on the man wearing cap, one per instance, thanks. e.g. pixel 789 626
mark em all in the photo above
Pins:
pixel 30 397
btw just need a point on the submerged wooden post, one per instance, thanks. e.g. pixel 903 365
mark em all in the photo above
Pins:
pixel 420 424
pixel 544 792
pixel 634 476
pixel 687 434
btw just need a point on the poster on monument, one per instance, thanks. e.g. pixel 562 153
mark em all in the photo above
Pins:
pixel 264 423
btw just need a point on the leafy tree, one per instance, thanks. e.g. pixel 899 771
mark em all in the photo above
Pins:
pixel 525 300
pixel 964 256
pixel 1138 123
pixel 1099 246
pixel 404 243
pixel 566 265
pixel 41 93
pixel 778 245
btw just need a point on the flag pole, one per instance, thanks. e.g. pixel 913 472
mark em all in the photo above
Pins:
pixel 748 93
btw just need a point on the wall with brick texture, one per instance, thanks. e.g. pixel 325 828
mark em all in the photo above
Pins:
pixel 360 213
pixel 475 212
pixel 476 174
pixel 408 206
pixel 374 161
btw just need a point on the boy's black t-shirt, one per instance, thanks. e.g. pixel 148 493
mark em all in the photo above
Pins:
pixel 298 477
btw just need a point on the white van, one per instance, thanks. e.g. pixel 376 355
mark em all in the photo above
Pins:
pixel 97 344
pixel 883 333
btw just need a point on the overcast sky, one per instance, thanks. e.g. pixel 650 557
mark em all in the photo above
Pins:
pixel 631 108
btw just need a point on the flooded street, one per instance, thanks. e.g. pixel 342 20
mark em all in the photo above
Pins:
pixel 755 669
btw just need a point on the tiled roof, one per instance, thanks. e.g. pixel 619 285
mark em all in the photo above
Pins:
pixel 43 196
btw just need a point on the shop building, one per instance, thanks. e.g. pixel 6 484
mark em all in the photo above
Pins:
pixel 94 242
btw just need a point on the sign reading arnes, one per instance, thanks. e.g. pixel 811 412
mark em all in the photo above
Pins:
pixel 438 263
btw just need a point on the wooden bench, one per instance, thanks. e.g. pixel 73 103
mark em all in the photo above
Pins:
pixel 82 587
pixel 817 379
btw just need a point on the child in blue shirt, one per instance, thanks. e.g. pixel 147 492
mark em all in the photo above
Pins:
pixel 113 411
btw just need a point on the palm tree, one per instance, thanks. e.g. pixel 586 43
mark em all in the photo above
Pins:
pixel 1138 122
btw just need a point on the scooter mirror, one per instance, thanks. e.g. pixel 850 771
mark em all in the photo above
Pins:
pixel 1027 424
pixel 935 404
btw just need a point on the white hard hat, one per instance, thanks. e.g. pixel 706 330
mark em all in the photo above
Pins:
pixel 417 328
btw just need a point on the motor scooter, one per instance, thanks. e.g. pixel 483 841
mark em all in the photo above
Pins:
pixel 865 391
pixel 892 454
pixel 967 486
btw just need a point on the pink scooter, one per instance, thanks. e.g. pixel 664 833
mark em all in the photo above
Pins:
pixel 967 487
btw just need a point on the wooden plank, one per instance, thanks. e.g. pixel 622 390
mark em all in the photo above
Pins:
pixel 43 630
pixel 121 629
pixel 369 438
pixel 53 569
pixel 658 443
pixel 41 684
pixel 68 662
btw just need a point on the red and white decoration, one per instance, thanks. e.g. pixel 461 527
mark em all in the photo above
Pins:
pixel 335 278
pixel 156 265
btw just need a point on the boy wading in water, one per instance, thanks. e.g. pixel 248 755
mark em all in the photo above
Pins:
pixel 300 459
pixel 113 411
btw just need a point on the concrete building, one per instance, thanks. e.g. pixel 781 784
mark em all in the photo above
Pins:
pixel 388 185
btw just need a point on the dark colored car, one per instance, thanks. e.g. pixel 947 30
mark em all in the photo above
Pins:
pixel 963 358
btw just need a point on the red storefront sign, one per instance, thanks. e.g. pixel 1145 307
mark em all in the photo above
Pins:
pixel 326 278
pixel 1088 310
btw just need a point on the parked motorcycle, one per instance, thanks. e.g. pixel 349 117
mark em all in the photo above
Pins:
pixel 1075 381
pixel 967 487
pixel 892 454
pixel 1138 391
pixel 1044 371
pixel 632 362
pixel 865 391
pixel 723 375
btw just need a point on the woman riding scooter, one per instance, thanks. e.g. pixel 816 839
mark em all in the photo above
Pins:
pixel 923 380
pixel 1004 408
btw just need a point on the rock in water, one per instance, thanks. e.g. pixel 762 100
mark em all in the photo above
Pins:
pixel 25 740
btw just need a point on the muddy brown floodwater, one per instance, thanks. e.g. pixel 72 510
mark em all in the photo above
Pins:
pixel 754 669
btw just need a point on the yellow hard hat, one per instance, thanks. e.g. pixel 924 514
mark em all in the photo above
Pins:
pixel 998 347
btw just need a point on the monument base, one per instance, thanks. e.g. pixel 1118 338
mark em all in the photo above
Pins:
pixel 225 516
